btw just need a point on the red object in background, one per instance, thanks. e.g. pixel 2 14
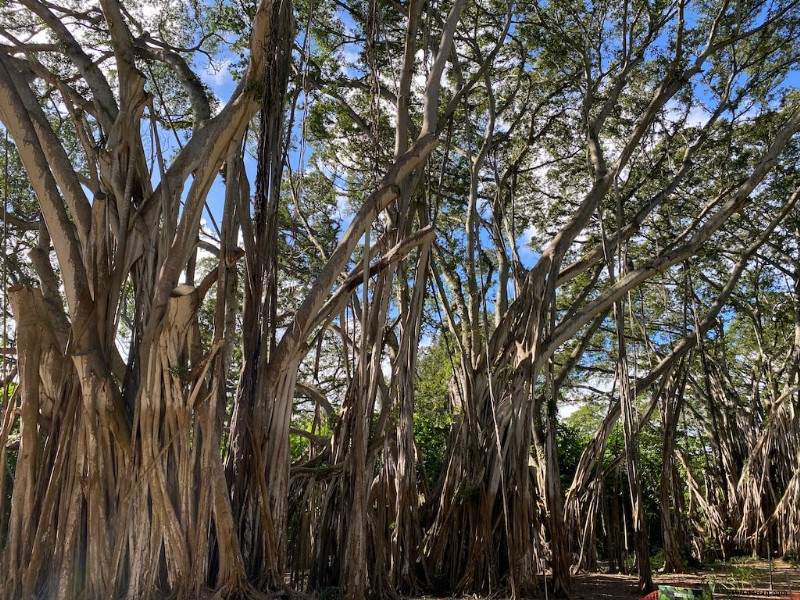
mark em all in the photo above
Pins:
pixel 651 596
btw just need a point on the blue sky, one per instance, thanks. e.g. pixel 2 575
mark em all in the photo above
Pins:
pixel 220 81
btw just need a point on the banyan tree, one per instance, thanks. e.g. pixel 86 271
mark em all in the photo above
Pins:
pixel 253 251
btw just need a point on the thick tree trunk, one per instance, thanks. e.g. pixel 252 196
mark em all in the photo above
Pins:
pixel 182 483
pixel 630 424
pixel 354 572
pixel 407 561
pixel 40 365
pixel 559 545
pixel 672 404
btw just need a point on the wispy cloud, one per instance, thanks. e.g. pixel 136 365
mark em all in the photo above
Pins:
pixel 216 75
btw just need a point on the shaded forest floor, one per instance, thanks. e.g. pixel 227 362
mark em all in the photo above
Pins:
pixel 723 578
pixel 735 575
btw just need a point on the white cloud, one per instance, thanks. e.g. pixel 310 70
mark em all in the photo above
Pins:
pixel 527 254
pixel 216 74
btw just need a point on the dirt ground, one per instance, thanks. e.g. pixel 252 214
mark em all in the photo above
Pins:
pixel 734 576
pixel 724 579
